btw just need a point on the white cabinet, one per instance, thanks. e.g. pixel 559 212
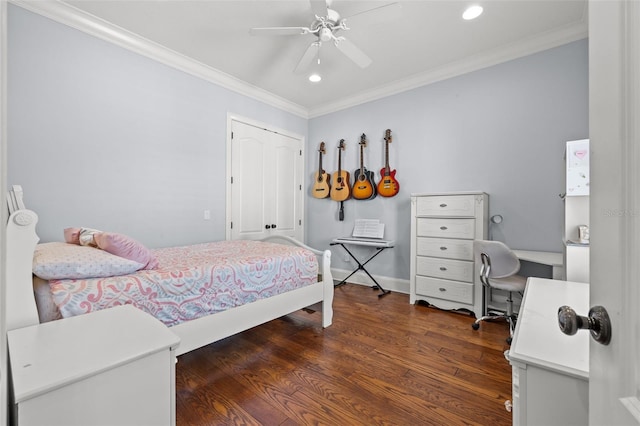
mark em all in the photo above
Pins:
pixel 267 182
pixel 115 366
pixel 576 211
pixel 443 227
pixel 550 370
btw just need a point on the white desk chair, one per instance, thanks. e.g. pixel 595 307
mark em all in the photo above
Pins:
pixel 498 269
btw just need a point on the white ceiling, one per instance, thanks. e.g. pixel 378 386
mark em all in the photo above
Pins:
pixel 429 41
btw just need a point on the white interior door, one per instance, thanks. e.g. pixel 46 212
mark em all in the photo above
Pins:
pixel 614 121
pixel 266 172
pixel 285 163
pixel 249 201
pixel 3 212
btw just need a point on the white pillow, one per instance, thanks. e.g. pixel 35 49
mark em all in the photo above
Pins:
pixel 58 261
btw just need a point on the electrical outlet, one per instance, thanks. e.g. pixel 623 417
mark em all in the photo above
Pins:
pixel 207 215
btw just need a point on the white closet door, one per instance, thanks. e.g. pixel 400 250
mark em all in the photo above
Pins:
pixel 266 183
pixel 287 193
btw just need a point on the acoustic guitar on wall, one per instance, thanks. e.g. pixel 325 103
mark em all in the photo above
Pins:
pixel 388 185
pixel 321 186
pixel 340 189
pixel 364 186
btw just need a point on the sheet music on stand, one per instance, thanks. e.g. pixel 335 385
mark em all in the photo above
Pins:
pixel 368 228
pixel 366 232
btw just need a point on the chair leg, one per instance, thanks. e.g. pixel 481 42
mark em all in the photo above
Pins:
pixel 508 315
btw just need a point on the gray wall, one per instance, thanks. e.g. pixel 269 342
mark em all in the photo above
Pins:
pixel 102 137
pixel 501 130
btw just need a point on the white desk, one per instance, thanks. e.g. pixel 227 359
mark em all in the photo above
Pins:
pixel 550 369
pixel 555 260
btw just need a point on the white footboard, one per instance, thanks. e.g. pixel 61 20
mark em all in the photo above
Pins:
pixel 327 277
pixel 202 331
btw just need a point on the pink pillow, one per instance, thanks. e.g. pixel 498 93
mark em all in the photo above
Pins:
pixel 124 246
pixel 72 235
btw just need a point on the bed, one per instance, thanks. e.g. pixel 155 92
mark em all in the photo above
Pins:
pixel 197 321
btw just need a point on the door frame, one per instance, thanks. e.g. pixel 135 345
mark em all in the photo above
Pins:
pixel 231 117
pixel 4 214
pixel 614 130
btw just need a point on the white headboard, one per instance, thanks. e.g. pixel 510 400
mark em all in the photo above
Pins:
pixel 20 304
pixel 14 199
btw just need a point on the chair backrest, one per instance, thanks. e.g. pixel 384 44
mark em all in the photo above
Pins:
pixel 502 261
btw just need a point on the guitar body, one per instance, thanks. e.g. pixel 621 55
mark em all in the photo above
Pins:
pixel 341 190
pixel 364 187
pixel 388 185
pixel 321 187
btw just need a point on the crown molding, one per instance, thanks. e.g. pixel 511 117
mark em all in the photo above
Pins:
pixel 73 17
pixel 506 53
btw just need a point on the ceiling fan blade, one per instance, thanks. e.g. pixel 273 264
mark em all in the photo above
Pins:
pixel 353 52
pixel 276 31
pixel 312 52
pixel 375 16
pixel 319 8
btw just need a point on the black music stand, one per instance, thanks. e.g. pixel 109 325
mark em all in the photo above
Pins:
pixel 378 244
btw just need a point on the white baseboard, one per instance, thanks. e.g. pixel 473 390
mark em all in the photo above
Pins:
pixel 393 284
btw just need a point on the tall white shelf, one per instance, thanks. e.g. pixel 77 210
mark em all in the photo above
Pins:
pixel 576 207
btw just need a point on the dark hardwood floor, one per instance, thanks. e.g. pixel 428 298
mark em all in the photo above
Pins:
pixel 382 362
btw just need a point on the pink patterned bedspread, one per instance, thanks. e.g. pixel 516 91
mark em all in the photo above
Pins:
pixel 194 281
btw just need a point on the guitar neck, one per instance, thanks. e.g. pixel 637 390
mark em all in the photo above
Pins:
pixel 340 148
pixel 386 159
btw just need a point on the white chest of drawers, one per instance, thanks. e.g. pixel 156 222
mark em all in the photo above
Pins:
pixel 443 227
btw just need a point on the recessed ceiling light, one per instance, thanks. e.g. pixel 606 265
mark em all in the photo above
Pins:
pixel 472 12
pixel 315 78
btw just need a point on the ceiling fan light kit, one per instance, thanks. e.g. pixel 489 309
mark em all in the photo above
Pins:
pixel 472 12
pixel 327 22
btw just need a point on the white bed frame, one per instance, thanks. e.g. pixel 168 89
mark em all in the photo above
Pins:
pixel 21 308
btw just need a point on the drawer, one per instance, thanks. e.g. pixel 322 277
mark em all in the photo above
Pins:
pixel 445 247
pixel 459 270
pixel 446 228
pixel 445 289
pixel 449 205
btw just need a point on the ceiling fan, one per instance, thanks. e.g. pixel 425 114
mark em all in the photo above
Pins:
pixel 326 25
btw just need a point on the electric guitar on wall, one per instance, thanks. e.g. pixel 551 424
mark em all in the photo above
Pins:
pixel 340 190
pixel 364 186
pixel 321 186
pixel 388 185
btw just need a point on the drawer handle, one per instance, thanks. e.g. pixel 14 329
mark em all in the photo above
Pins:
pixel 442 268
pixel 444 228
pixel 443 248
pixel 443 205
pixel 442 289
